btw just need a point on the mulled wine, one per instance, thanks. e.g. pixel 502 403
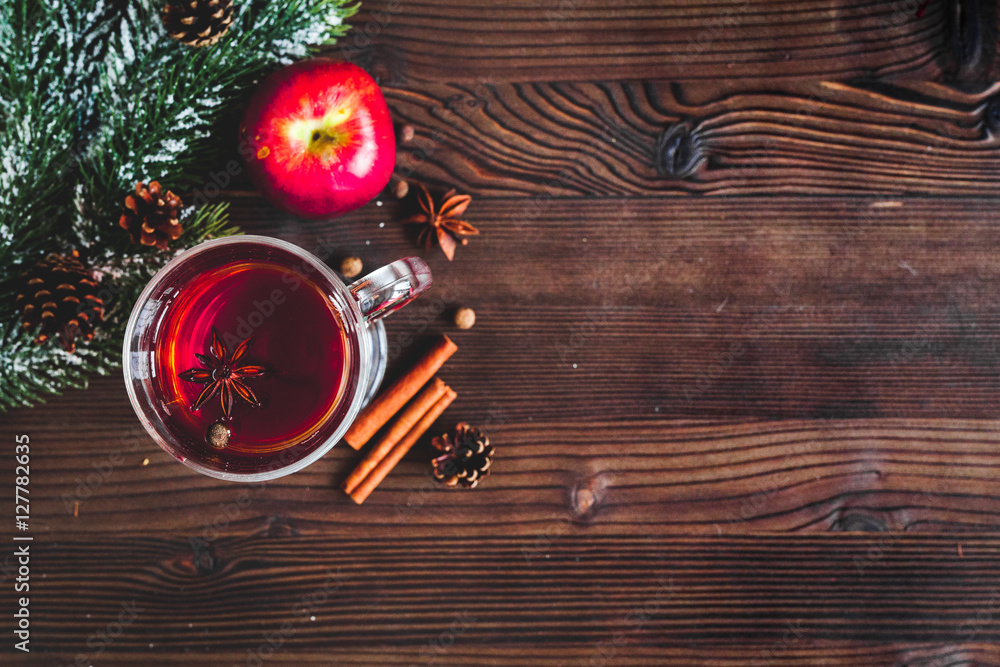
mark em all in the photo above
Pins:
pixel 284 329
pixel 247 358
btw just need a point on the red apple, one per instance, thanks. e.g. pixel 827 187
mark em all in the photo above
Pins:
pixel 318 138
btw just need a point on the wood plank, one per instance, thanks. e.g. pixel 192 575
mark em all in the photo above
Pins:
pixel 574 40
pixel 616 650
pixel 763 595
pixel 607 139
pixel 551 479
pixel 847 307
pixel 610 445
pixel 691 308
pixel 695 308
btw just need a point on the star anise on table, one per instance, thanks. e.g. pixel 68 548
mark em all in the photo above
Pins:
pixel 441 222
pixel 222 375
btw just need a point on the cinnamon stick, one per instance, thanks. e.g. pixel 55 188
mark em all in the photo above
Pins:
pixel 378 473
pixel 388 403
pixel 404 421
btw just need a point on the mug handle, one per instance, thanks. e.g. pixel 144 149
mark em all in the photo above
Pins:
pixel 390 288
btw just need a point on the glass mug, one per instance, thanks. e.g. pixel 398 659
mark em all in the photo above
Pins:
pixel 246 358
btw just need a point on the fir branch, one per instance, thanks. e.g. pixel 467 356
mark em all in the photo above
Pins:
pixel 94 96
pixel 36 125
pixel 161 106
pixel 127 275
pixel 30 372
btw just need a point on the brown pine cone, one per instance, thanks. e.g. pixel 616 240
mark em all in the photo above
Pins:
pixel 60 294
pixel 198 22
pixel 152 216
pixel 467 457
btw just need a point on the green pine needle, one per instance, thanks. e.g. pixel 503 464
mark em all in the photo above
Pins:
pixel 94 96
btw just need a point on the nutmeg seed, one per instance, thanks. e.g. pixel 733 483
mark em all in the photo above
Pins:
pixel 351 267
pixel 218 435
pixel 401 189
pixel 465 318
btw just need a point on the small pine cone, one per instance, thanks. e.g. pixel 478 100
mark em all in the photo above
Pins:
pixel 467 457
pixel 198 22
pixel 60 294
pixel 152 216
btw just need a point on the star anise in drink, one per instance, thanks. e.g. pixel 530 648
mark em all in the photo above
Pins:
pixel 441 222
pixel 223 374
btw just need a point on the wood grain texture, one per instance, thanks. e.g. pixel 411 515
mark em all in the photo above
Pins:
pixel 766 596
pixel 616 650
pixel 675 313
pixel 647 460
pixel 730 430
pixel 700 308
pixel 573 40
pixel 550 480
pixel 601 139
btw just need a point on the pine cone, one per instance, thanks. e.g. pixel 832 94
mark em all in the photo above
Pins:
pixel 152 216
pixel 59 294
pixel 198 22
pixel 467 457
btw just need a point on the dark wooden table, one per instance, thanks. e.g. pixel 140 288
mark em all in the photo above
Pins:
pixel 737 347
